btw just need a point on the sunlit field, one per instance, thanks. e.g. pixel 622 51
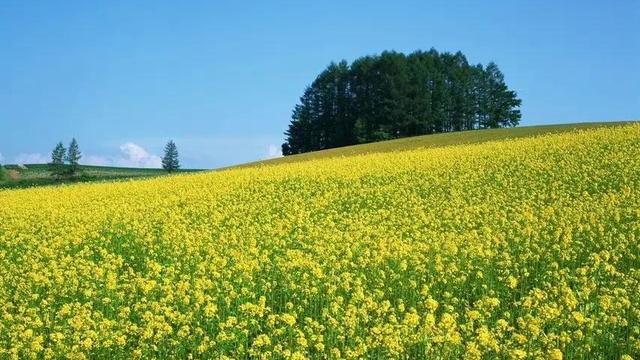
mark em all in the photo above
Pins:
pixel 438 140
pixel 512 249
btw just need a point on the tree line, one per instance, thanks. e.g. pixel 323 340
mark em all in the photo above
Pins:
pixel 393 95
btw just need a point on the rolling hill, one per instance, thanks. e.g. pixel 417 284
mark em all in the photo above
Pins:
pixel 437 140
pixel 37 174
pixel 504 247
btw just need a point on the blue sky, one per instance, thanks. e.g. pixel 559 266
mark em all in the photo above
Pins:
pixel 221 78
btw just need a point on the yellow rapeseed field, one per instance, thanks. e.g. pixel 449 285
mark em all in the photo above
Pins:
pixel 514 249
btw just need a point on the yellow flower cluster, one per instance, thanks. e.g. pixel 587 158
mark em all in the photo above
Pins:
pixel 515 249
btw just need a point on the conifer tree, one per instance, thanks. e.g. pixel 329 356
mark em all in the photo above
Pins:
pixel 56 166
pixel 73 156
pixel 58 154
pixel 394 95
pixel 170 160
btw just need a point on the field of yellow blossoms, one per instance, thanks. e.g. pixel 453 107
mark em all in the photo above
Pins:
pixel 514 249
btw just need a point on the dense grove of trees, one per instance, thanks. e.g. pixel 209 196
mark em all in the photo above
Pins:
pixel 394 95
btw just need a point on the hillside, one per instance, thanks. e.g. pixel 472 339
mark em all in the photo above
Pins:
pixel 437 140
pixel 38 174
pixel 519 248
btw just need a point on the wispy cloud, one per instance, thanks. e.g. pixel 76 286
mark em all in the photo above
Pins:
pixel 33 158
pixel 1 158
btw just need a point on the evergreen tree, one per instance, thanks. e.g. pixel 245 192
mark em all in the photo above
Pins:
pixel 502 103
pixel 56 166
pixel 73 156
pixel 58 154
pixel 170 160
pixel 394 95
pixel 364 97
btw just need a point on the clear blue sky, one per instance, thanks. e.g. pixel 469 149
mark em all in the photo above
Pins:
pixel 221 78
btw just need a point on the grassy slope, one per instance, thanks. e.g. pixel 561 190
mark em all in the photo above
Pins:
pixel 435 140
pixel 38 175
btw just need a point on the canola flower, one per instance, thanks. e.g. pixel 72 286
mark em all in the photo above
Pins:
pixel 516 249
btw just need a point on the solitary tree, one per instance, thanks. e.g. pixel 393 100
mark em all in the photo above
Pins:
pixel 73 156
pixel 170 159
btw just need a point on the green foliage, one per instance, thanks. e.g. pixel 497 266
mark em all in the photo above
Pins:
pixel 170 160
pixel 3 173
pixel 58 154
pixel 56 166
pixel 394 95
pixel 73 157
pixel 59 171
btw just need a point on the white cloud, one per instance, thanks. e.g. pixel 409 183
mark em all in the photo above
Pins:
pixel 136 156
pixel 34 158
pixel 274 151
pixel 1 158
pixel 132 155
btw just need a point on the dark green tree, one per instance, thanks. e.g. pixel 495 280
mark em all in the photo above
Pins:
pixel 73 157
pixel 56 166
pixel 322 119
pixel 58 154
pixel 501 105
pixel 387 85
pixel 170 160
pixel 394 95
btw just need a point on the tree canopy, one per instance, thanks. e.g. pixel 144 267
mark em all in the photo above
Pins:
pixel 393 95
pixel 170 161
pixel 73 156
pixel 58 154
